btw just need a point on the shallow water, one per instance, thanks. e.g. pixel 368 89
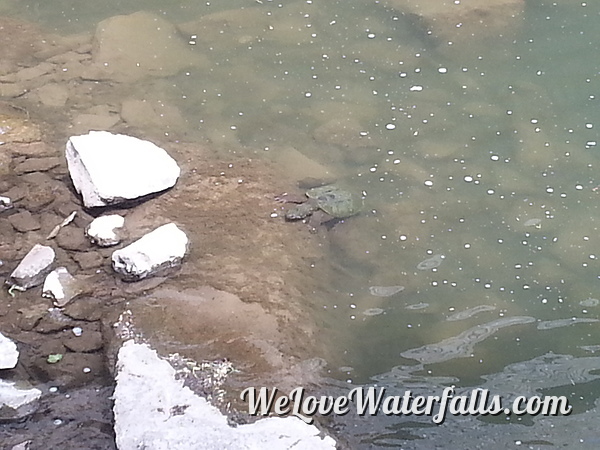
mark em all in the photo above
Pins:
pixel 492 164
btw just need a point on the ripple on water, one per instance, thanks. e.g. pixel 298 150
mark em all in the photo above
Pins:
pixel 417 306
pixel 431 263
pixel 461 346
pixel 590 302
pixel 385 291
pixel 373 311
pixel 467 313
pixel 549 324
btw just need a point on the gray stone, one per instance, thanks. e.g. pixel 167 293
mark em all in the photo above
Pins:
pixel 160 249
pixel 9 355
pixel 147 400
pixel 100 166
pixel 33 268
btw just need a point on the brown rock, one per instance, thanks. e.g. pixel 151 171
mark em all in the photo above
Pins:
pixel 37 165
pixel 74 369
pixel 89 341
pixel 24 221
pixel 85 308
pixel 71 238
pixel 88 260
pixel 32 149
pixel 53 321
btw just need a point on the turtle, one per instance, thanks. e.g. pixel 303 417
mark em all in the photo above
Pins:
pixel 323 204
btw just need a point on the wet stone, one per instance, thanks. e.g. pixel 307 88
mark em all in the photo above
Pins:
pixel 73 239
pixel 69 371
pixel 24 221
pixel 85 308
pixel 32 149
pixel 29 317
pixel 37 165
pixel 89 341
pixel 88 260
pixel 54 320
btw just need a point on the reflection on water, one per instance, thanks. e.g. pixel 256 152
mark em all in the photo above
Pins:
pixel 485 154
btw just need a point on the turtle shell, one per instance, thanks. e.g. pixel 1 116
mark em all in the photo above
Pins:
pixel 335 201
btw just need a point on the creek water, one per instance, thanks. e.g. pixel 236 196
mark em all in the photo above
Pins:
pixel 477 166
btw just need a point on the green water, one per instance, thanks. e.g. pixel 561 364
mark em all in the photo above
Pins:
pixel 502 132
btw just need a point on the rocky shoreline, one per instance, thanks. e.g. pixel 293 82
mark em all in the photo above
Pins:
pixel 67 347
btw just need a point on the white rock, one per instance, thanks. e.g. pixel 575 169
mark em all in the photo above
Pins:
pixel 9 355
pixel 111 168
pixel 61 287
pixel 147 392
pixel 5 203
pixel 105 230
pixel 33 268
pixel 162 248
pixel 15 402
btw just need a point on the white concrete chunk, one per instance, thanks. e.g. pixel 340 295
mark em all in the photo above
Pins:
pixel 162 248
pixel 9 355
pixel 61 287
pixel 5 203
pixel 16 402
pixel 105 231
pixel 33 268
pixel 111 168
pixel 147 393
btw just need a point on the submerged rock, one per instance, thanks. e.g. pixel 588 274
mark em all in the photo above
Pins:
pixel 153 409
pixel 141 44
pixel 160 249
pixel 9 355
pixel 105 231
pixel 100 164
pixel 33 268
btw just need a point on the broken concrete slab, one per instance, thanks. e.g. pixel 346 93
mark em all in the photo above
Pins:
pixel 158 250
pixel 9 355
pixel 100 166
pixel 17 402
pixel 61 287
pixel 149 412
pixel 33 268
